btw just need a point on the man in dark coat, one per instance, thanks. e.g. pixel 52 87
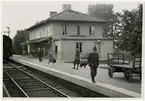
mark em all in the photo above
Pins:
pixel 40 54
pixel 77 59
pixel 93 61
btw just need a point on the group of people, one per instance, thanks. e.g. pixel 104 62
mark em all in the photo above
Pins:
pixel 50 55
pixel 93 61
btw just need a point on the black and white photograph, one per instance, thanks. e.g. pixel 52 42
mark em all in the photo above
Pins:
pixel 72 49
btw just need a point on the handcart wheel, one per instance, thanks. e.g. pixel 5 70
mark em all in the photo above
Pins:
pixel 110 72
pixel 128 75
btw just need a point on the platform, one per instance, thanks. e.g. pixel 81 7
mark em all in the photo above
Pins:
pixel 116 87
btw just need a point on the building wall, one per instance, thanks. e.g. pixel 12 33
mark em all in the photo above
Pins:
pixel 58 44
pixel 68 50
pixel 42 31
pixel 55 29
pixel 72 29
pixel 106 47
pixel 69 46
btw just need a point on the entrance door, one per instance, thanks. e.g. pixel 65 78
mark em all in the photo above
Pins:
pixel 56 51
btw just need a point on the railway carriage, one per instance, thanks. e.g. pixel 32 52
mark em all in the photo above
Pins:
pixel 7 47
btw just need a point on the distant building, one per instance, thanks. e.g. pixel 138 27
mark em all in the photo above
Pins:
pixel 64 32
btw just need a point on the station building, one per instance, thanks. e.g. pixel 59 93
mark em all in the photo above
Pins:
pixel 65 31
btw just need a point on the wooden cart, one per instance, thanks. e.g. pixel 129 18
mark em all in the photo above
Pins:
pixel 117 63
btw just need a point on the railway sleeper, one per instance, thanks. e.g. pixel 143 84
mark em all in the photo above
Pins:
pixel 42 94
pixel 37 89
pixel 32 87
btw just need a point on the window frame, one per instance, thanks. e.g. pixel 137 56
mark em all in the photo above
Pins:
pixel 64 30
pixel 79 45
pixel 78 30
pixel 91 30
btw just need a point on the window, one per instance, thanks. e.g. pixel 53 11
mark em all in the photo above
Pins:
pixel 79 46
pixel 64 30
pixel 78 30
pixel 91 30
pixel 41 33
pixel 55 49
pixel 48 31
pixel 35 34
pixel 30 35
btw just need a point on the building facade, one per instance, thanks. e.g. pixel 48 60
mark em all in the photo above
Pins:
pixel 64 32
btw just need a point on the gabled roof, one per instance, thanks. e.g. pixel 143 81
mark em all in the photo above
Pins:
pixel 70 15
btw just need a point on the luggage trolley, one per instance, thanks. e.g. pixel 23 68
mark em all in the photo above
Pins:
pixel 117 63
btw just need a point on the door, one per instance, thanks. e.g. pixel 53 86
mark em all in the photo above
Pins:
pixel 56 51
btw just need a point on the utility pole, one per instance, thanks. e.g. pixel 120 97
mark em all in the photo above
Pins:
pixel 8 27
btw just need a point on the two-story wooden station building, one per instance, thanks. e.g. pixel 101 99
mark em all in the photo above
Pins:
pixel 65 31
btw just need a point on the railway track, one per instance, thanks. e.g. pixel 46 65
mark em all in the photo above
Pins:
pixel 20 83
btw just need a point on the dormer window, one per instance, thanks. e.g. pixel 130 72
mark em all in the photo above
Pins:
pixel 78 30
pixel 64 30
pixel 91 30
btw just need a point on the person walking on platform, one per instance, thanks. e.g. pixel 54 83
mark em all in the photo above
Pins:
pixel 40 53
pixel 93 61
pixel 77 59
pixel 51 58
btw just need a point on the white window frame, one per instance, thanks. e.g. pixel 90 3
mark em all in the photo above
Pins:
pixel 64 32
pixel 78 30
pixel 91 30
pixel 79 46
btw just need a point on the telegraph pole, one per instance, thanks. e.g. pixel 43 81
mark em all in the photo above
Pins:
pixel 8 31
pixel 8 27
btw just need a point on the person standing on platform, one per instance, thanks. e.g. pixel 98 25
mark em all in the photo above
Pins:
pixel 43 52
pixel 93 61
pixel 77 59
pixel 40 53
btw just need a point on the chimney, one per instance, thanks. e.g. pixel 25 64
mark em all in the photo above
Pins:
pixel 52 13
pixel 66 6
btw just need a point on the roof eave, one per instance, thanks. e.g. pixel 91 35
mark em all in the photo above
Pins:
pixel 79 21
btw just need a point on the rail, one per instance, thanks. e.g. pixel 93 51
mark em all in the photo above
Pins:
pixel 54 90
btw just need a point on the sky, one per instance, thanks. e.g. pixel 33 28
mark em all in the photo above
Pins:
pixel 21 15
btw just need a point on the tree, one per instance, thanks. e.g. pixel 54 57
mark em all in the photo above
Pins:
pixel 102 11
pixel 21 36
pixel 125 28
pixel 113 28
pixel 131 38
pixel 116 30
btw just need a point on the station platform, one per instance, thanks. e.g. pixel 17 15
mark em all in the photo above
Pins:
pixel 115 87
